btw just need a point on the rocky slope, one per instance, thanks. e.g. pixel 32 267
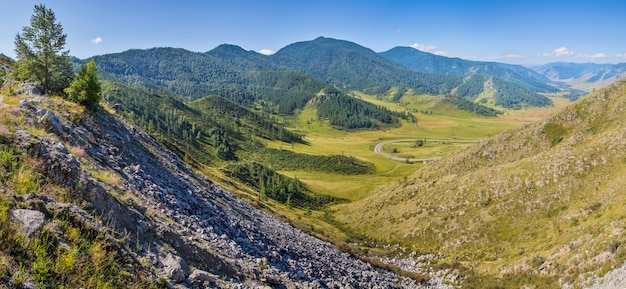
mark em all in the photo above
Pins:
pixel 546 199
pixel 174 217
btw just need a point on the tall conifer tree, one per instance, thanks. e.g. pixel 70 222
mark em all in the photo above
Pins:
pixel 41 57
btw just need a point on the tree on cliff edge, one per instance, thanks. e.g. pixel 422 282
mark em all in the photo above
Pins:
pixel 40 55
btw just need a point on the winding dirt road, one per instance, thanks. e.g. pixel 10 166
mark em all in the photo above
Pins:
pixel 378 149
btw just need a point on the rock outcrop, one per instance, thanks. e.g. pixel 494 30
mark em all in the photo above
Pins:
pixel 178 217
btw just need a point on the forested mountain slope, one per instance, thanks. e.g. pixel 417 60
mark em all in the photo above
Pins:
pixel 292 76
pixel 351 66
pixel 193 75
pixel 243 77
pixel 546 199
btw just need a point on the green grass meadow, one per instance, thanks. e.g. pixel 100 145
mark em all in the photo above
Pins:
pixel 435 120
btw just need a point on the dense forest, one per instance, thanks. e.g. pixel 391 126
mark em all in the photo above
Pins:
pixel 292 161
pixel 239 119
pixel 574 94
pixel 194 75
pixel 350 66
pixel 269 184
pixel 347 112
pixel 464 104
pixel 507 94
pixel 511 95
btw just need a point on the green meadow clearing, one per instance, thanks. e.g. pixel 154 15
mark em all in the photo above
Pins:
pixel 435 120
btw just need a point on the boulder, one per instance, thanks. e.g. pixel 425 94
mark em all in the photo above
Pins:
pixel 202 276
pixel 117 108
pixel 175 268
pixel 30 221
pixel 52 123
pixel 24 103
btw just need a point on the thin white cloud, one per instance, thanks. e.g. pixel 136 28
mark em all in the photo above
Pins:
pixel 266 51
pixel 559 52
pixel 564 52
pixel 506 56
pixel 621 55
pixel 96 40
pixel 593 56
pixel 433 49
pixel 430 48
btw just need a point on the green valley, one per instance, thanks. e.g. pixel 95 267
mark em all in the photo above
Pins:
pixel 319 163
pixel 324 164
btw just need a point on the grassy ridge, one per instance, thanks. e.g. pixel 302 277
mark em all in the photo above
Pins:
pixel 282 159
pixel 539 198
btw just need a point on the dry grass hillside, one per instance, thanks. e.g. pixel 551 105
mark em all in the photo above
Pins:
pixel 546 199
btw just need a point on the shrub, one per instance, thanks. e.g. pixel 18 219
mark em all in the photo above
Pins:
pixel 554 132
pixel 85 89
pixel 537 261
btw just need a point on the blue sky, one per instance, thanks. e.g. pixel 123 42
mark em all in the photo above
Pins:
pixel 521 32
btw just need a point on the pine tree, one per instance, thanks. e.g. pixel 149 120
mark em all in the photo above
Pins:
pixel 262 191
pixel 85 89
pixel 40 55
pixel 288 202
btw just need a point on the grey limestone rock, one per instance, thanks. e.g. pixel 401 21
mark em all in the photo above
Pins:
pixel 202 276
pixel 52 123
pixel 30 221
pixel 175 268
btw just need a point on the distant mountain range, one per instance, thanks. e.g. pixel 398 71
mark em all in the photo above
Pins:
pixel 431 63
pixel 297 72
pixel 582 75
